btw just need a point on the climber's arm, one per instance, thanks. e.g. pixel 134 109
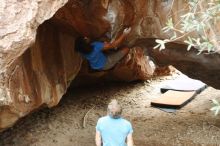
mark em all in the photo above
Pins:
pixel 118 41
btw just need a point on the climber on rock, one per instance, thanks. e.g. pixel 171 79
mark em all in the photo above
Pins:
pixel 95 52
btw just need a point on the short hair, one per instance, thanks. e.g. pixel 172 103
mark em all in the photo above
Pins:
pixel 114 109
pixel 82 46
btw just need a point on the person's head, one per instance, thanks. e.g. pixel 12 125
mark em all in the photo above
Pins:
pixel 82 45
pixel 114 109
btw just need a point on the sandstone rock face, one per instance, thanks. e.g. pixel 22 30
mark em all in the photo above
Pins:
pixel 19 21
pixel 25 84
pixel 40 76
pixel 36 72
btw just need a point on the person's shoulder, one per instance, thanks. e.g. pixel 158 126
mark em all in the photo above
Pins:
pixel 128 125
pixel 126 121
pixel 97 43
pixel 103 119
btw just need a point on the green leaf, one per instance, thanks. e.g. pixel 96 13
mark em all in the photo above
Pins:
pixel 162 47
pixel 157 46
pixel 166 41
pixel 198 41
pixel 210 48
pixel 214 108
pixel 189 47
pixel 169 23
pixel 200 51
pixel 174 36
pixel 187 42
pixel 190 39
pixel 159 41
pixel 214 101
pixel 165 29
pixel 161 44
pixel 217 111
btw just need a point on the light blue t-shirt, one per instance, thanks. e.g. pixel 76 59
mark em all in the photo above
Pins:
pixel 113 131
pixel 96 58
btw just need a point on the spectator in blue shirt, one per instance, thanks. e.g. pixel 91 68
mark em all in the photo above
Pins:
pixel 94 52
pixel 113 130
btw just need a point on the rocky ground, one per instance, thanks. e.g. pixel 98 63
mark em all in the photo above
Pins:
pixel 67 125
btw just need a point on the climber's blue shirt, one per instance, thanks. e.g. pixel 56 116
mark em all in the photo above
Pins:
pixel 96 58
pixel 113 131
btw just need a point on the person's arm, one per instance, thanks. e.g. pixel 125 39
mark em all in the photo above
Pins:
pixel 98 138
pixel 130 140
pixel 118 41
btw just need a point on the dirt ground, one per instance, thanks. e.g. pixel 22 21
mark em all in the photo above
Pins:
pixel 63 125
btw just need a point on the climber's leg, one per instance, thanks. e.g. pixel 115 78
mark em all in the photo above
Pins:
pixel 115 57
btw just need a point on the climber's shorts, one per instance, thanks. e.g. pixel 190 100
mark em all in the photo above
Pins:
pixel 113 59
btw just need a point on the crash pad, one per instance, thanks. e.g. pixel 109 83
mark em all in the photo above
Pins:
pixel 183 84
pixel 173 99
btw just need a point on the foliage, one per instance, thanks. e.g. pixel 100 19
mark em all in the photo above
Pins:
pixel 197 27
pixel 216 107
pixel 201 18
